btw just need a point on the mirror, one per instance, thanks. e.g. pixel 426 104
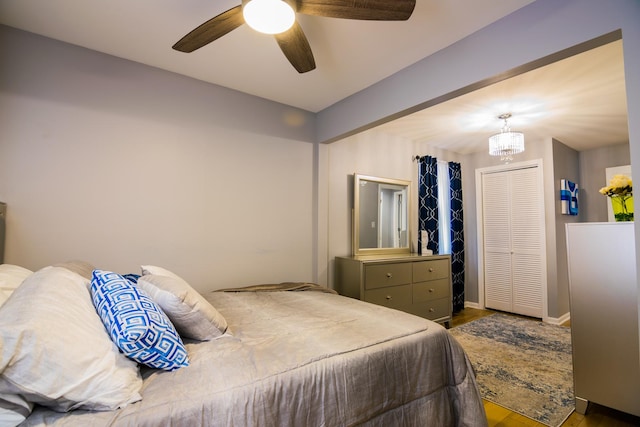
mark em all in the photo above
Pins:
pixel 380 216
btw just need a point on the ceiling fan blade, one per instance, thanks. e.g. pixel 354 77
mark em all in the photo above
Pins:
pixel 211 30
pixel 375 10
pixel 295 46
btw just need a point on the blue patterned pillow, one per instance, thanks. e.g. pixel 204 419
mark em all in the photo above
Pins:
pixel 135 323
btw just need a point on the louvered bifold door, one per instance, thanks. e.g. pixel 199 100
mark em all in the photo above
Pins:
pixel 513 235
pixel 527 242
pixel 496 213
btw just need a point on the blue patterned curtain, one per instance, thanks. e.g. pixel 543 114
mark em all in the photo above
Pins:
pixel 428 201
pixel 457 236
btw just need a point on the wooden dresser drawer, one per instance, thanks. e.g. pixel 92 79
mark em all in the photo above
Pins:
pixel 398 297
pixel 419 285
pixel 428 291
pixel 383 275
pixel 430 270
pixel 432 310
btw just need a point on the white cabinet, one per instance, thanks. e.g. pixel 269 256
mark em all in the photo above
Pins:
pixel 603 292
pixel 513 241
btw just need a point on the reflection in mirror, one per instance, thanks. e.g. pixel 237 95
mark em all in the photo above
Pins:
pixel 381 210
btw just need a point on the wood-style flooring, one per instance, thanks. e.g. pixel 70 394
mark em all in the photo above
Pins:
pixel 596 416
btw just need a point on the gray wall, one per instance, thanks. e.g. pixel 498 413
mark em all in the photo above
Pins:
pixel 533 36
pixel 474 62
pixel 370 153
pixel 120 164
pixel 84 107
pixel 369 215
pixel 592 178
pixel 566 165
pixel 559 162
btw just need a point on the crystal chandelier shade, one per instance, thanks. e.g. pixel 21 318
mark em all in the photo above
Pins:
pixel 506 143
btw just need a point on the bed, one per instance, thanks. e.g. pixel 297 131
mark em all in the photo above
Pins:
pixel 288 356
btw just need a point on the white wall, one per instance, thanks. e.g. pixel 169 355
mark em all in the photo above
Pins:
pixel 120 164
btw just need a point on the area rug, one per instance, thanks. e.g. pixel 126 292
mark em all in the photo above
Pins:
pixel 521 364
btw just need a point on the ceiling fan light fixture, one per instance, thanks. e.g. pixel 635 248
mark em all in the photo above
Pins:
pixel 506 143
pixel 268 16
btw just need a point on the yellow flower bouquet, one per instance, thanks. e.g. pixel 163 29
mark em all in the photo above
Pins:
pixel 620 190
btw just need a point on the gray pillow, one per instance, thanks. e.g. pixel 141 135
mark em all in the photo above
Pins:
pixel 82 268
pixel 192 315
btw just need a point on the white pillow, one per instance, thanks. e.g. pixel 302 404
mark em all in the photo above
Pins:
pixel 192 315
pixel 11 276
pixel 55 351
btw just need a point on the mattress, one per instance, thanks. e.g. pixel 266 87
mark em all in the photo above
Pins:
pixel 292 358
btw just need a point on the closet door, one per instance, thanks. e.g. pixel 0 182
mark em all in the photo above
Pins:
pixel 527 232
pixel 496 214
pixel 513 230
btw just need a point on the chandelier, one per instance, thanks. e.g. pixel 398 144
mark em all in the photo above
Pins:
pixel 506 143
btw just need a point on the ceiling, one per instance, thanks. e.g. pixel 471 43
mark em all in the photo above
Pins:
pixel 350 55
pixel 580 100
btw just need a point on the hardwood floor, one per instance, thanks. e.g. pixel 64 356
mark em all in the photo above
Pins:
pixel 596 416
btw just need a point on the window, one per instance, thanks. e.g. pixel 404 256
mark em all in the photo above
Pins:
pixel 444 209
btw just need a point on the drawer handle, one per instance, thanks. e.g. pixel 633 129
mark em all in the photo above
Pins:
pixel 430 269
pixel 431 290
pixel 389 297
pixel 431 310
pixel 389 275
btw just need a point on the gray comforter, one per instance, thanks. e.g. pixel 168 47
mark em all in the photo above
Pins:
pixel 305 359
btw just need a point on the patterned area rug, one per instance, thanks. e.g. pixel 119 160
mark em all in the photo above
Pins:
pixel 521 364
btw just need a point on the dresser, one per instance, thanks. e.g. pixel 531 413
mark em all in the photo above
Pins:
pixel 416 284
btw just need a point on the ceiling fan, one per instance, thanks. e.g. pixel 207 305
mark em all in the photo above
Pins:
pixel 292 40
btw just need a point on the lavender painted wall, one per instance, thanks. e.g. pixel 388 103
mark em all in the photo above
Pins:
pixel 121 164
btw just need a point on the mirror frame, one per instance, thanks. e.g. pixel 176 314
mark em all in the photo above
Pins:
pixel 355 238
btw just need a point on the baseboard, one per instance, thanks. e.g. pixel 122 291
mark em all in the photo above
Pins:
pixel 470 304
pixel 558 320
pixel 551 320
